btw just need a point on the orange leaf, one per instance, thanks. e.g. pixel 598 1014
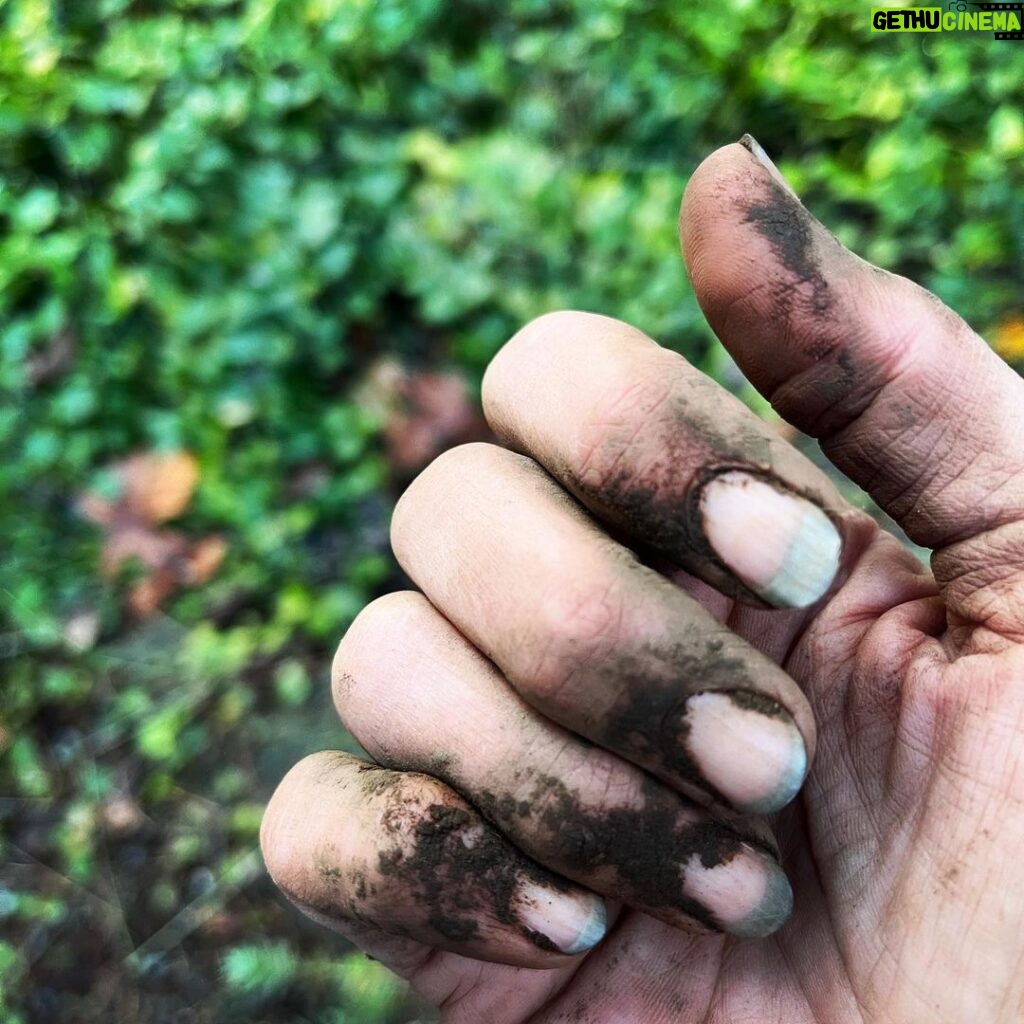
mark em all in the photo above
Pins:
pixel 1009 340
pixel 422 413
pixel 146 594
pixel 128 542
pixel 205 558
pixel 158 486
pixel 96 509
pixel 155 487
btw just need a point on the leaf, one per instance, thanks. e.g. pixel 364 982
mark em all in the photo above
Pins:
pixel 423 412
pixel 260 970
pixel 147 594
pixel 158 487
pixel 1009 340
pixel 154 487
pixel 204 558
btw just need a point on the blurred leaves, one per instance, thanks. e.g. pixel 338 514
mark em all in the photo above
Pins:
pixel 422 413
pixel 254 257
pixel 260 970
pixel 150 489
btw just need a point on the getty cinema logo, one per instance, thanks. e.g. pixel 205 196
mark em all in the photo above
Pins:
pixel 1003 20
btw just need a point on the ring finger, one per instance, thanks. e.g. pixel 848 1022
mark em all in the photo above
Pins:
pixel 420 698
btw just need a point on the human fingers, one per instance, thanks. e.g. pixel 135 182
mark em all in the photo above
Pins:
pixel 594 639
pixel 418 695
pixel 659 451
pixel 905 398
pixel 349 841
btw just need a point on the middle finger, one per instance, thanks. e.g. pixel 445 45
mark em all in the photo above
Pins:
pixel 596 640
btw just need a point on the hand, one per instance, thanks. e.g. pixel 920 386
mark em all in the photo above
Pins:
pixel 579 746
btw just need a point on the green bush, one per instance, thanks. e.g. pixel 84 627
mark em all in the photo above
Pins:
pixel 217 216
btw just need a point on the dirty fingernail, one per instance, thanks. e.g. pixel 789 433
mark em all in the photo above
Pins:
pixel 781 546
pixel 571 922
pixel 748 748
pixel 749 143
pixel 747 895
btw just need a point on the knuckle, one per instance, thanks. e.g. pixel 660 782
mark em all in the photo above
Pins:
pixel 550 337
pixel 561 326
pixel 614 428
pixel 577 626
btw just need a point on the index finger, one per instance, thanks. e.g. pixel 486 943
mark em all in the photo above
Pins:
pixel 658 450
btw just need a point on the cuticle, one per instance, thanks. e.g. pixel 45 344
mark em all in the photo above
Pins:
pixel 694 516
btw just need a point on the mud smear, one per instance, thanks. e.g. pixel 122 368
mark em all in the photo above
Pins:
pixel 660 510
pixel 375 779
pixel 785 224
pixel 654 493
pixel 805 304
pixel 649 719
pixel 644 848
pixel 653 679
pixel 457 869
pixel 751 701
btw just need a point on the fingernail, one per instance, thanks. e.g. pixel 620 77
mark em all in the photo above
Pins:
pixel 748 895
pixel 749 143
pixel 781 546
pixel 748 748
pixel 571 922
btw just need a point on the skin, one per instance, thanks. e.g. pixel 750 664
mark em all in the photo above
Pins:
pixel 540 681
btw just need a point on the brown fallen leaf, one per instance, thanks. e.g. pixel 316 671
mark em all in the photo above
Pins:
pixel 423 412
pixel 204 558
pixel 146 595
pixel 159 487
pixel 154 487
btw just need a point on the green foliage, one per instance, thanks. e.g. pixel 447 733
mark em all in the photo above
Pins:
pixel 11 968
pixel 225 208
pixel 215 217
pixel 260 971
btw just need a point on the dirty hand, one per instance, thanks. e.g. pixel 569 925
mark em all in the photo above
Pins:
pixel 576 748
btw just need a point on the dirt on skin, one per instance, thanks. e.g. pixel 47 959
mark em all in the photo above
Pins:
pixel 650 717
pixel 646 847
pixel 643 849
pixel 797 240
pixel 456 868
pixel 659 508
pixel 785 224
pixel 654 677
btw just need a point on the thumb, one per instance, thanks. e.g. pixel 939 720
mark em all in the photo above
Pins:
pixel 904 397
